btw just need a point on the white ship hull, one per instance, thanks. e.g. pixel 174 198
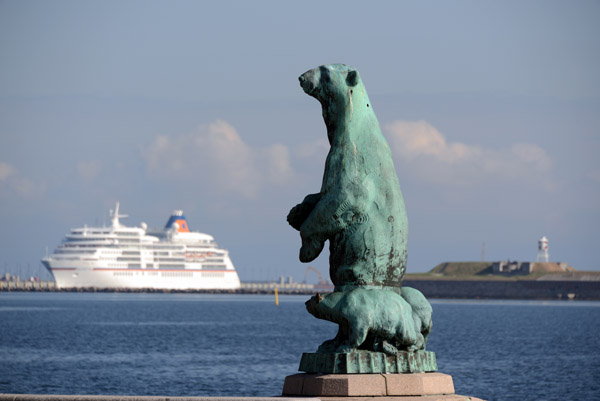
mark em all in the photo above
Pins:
pixel 187 279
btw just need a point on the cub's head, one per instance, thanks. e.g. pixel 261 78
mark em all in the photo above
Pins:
pixel 312 304
pixel 327 82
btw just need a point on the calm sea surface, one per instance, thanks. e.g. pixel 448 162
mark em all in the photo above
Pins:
pixel 222 345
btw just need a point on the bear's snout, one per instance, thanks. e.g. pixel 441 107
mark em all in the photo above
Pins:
pixel 308 82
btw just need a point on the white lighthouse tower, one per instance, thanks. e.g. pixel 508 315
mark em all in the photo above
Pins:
pixel 542 255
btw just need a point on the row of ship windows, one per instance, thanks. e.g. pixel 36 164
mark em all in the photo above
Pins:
pixel 122 273
pixel 149 265
pixel 138 253
pixel 174 254
pixel 171 266
pixel 163 259
pixel 109 242
pixel 131 255
pixel 127 259
pixel 121 233
pixel 213 274
pixel 137 258
pixel 213 266
pixel 86 239
pixel 92 231
pixel 172 274
pixel 162 266
pixel 102 239
pixel 137 249
pixel 63 251
pixel 216 264
pixel 154 248
pixel 176 274
pixel 67 245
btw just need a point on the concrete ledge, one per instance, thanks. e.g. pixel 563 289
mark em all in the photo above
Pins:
pixel 442 397
pixel 51 397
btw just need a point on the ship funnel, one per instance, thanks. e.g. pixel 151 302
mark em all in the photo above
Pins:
pixel 178 220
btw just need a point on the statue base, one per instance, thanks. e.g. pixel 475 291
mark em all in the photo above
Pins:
pixel 402 387
pixel 369 362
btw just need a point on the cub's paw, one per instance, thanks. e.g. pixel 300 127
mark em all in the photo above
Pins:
pixel 345 349
pixel 328 346
pixel 389 348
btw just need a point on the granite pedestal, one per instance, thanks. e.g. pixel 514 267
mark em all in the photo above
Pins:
pixel 394 387
pixel 404 376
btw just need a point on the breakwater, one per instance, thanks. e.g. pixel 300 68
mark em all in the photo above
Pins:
pixel 247 288
pixel 444 289
pixel 507 289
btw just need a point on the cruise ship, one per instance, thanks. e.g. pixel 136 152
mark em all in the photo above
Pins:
pixel 172 258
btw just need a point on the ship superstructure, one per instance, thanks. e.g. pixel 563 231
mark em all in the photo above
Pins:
pixel 119 256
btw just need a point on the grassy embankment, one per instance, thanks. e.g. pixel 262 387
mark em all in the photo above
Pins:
pixel 482 271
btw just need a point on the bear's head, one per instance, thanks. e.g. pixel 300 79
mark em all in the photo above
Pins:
pixel 329 82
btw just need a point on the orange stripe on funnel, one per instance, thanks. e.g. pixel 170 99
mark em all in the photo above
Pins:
pixel 183 226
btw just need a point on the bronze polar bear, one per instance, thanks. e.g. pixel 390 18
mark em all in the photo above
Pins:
pixel 379 320
pixel 360 208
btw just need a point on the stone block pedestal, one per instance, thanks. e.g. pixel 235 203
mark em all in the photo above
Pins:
pixel 394 387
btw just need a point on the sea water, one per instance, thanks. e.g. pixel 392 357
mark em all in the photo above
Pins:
pixel 245 345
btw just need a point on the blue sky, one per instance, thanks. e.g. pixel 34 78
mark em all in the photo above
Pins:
pixel 492 111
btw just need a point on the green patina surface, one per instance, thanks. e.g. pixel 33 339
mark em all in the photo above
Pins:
pixel 360 211
pixel 369 362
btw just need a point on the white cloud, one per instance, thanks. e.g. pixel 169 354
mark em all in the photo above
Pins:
pixel 217 154
pixel 6 170
pixel 421 146
pixel 88 170
pixel 318 148
pixel 277 164
pixel 13 183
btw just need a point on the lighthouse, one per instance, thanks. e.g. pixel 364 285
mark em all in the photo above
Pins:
pixel 542 255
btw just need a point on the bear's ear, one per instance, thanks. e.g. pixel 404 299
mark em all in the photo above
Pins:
pixel 319 297
pixel 352 78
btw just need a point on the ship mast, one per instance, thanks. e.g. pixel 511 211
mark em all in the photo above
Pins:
pixel 115 216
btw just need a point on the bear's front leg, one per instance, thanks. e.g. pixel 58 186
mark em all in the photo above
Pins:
pixel 319 226
pixel 358 330
pixel 311 247
pixel 300 212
